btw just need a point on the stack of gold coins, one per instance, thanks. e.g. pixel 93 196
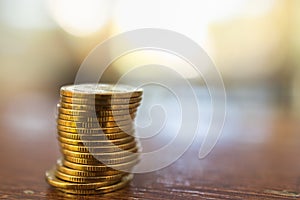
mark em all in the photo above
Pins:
pixel 96 137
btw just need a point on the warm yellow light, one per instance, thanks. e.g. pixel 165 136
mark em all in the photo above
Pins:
pixel 148 57
pixel 192 18
pixel 80 17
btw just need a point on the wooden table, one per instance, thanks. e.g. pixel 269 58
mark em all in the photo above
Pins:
pixel 257 157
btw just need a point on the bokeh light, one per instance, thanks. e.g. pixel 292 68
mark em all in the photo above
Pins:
pixel 80 17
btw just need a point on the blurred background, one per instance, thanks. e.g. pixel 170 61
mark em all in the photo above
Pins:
pixel 255 45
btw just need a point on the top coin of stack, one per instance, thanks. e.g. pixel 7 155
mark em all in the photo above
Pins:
pixel 96 136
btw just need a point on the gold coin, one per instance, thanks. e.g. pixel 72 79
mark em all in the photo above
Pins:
pixel 98 119
pixel 101 190
pixel 93 161
pixel 124 181
pixel 126 128
pixel 103 149
pixel 92 125
pixel 109 136
pixel 89 179
pixel 55 182
pixel 98 107
pixel 100 91
pixel 102 155
pixel 96 135
pixel 99 167
pixel 93 101
pixel 74 172
pixel 98 113
pixel 96 143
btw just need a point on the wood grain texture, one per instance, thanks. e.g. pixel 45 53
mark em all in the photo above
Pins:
pixel 257 157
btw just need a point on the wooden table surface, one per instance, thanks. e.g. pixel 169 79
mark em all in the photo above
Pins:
pixel 257 156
